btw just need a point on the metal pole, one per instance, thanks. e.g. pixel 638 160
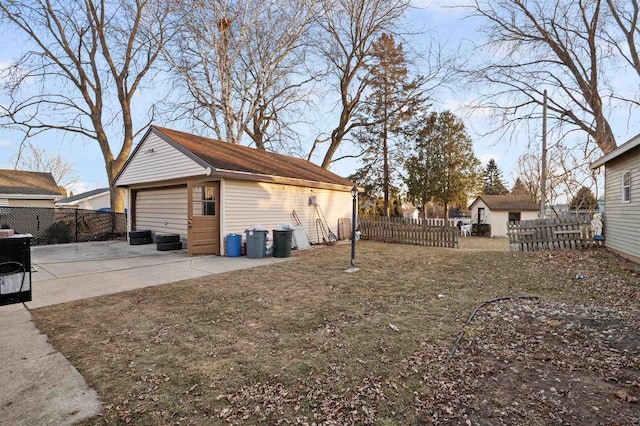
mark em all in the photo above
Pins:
pixel 353 231
pixel 543 168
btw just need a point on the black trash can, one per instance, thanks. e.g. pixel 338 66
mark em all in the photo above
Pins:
pixel 282 243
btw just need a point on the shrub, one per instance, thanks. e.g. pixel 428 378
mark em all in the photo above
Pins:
pixel 59 232
pixel 481 229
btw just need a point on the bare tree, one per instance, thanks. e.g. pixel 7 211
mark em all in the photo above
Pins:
pixel 565 172
pixel 84 62
pixel 37 159
pixel 625 13
pixel 242 63
pixel 347 32
pixel 535 45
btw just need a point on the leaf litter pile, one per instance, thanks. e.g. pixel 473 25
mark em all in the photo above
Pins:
pixel 304 343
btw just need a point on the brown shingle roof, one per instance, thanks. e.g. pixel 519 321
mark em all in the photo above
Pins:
pixel 227 156
pixel 508 202
pixel 32 183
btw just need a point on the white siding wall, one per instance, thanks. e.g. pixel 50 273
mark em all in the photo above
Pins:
pixel 622 220
pixel 474 212
pixel 500 219
pixel 245 204
pixel 162 210
pixel 165 162
pixel 101 201
pixel 498 223
pixel 531 215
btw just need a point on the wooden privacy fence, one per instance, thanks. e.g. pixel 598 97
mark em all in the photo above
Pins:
pixel 407 231
pixel 549 234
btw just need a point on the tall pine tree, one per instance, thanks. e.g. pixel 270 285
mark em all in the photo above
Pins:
pixel 492 179
pixel 391 103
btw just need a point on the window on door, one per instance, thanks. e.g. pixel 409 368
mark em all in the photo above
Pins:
pixel 514 216
pixel 208 201
pixel 481 217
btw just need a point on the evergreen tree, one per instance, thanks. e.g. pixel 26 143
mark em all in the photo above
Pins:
pixel 584 200
pixel 492 179
pixel 520 189
pixel 442 167
pixel 392 101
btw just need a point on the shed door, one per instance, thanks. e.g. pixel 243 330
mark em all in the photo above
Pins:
pixel 203 218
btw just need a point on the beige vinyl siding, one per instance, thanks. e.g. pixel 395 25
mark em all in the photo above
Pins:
pixel 165 162
pixel 162 210
pixel 16 202
pixel 246 204
pixel 622 220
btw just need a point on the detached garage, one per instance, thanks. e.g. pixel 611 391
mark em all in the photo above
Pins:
pixel 204 189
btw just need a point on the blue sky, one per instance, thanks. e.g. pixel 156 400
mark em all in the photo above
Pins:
pixel 443 23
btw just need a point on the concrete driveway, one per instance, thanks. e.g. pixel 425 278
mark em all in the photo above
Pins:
pixel 69 272
pixel 39 386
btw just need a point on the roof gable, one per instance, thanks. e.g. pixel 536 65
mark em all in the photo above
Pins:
pixel 28 183
pixel 507 202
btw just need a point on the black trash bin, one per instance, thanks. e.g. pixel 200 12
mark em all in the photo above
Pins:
pixel 282 243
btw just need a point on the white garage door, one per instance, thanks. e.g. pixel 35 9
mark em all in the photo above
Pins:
pixel 162 210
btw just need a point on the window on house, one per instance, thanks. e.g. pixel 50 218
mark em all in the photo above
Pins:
pixel 514 216
pixel 626 187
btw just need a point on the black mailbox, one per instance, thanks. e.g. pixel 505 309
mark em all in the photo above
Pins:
pixel 15 269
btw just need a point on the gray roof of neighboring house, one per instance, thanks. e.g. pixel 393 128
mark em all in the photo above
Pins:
pixel 507 202
pixel 626 147
pixel 83 196
pixel 28 183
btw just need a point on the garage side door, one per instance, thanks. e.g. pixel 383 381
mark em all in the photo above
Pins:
pixel 162 210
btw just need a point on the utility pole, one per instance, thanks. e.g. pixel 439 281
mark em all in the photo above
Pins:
pixel 543 167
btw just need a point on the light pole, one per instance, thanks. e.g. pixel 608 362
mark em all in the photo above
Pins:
pixel 354 195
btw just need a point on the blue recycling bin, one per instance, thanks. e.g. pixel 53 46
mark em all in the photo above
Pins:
pixel 234 245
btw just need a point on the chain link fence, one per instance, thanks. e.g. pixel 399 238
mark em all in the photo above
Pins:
pixel 64 225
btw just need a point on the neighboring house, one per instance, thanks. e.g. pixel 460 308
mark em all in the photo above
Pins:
pixel 622 197
pixel 97 199
pixel 27 189
pixel 498 210
pixel 205 189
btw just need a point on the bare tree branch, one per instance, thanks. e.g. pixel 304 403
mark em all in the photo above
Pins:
pixel 84 49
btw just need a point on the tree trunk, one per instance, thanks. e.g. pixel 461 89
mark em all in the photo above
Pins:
pixel 385 151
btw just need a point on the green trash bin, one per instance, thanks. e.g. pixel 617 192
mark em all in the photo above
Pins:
pixel 282 242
